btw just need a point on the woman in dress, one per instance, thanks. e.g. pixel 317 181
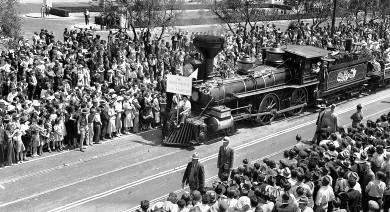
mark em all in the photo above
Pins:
pixel 136 107
pixel 156 110
pixel 58 135
pixel 9 130
pixel 17 139
pixel 128 111
pixel 46 135
pixel 61 118
pixel 111 124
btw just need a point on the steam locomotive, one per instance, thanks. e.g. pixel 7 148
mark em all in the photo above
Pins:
pixel 288 80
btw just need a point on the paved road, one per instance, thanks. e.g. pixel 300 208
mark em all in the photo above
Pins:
pixel 116 175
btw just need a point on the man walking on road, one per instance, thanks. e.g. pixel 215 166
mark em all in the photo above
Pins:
pixel 225 159
pixel 357 117
pixel 86 16
pixel 194 175
pixel 317 134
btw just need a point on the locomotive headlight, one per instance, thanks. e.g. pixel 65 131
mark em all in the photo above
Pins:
pixel 195 96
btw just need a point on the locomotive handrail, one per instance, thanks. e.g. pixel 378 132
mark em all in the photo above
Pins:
pixel 204 109
pixel 243 107
pixel 270 89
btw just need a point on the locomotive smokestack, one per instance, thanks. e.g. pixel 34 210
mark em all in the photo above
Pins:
pixel 209 46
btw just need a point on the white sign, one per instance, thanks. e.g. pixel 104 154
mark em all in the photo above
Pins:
pixel 179 84
pixel 346 75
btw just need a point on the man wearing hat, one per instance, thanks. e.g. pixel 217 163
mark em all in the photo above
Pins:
pixel 194 174
pixel 83 128
pixel 317 134
pixel 105 118
pixel 225 158
pixel 303 203
pixel 357 117
pixel 329 121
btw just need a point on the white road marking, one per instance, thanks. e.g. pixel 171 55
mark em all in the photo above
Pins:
pixel 182 167
pixel 153 201
pixel 161 198
pixel 67 165
pixel 85 179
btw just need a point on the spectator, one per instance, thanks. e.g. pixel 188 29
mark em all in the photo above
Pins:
pixel 86 16
pixel 225 158
pixel 357 117
pixel 194 174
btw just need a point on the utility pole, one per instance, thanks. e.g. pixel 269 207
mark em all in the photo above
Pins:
pixel 333 17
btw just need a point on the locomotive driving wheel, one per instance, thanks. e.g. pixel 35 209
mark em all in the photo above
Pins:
pixel 270 103
pixel 298 96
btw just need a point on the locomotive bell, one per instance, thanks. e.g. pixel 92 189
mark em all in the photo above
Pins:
pixel 245 64
pixel 274 56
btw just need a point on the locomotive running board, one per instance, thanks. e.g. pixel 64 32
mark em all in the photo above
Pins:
pixel 246 116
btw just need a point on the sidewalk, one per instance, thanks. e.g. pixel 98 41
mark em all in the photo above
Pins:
pixel 50 17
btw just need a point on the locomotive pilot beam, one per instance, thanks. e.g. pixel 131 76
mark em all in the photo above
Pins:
pixel 288 80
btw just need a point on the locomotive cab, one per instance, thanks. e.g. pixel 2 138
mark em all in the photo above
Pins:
pixel 304 62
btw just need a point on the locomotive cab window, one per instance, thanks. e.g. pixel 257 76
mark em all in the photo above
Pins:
pixel 313 67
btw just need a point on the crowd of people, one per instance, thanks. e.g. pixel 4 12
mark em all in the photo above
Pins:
pixel 85 89
pixel 343 170
pixel 338 170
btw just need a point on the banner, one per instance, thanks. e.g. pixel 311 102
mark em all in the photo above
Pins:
pixel 194 74
pixel 179 84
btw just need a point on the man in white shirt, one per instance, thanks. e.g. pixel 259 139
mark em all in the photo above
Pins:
pixel 185 109
pixel 325 194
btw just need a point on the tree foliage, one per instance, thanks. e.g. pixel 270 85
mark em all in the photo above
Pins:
pixel 299 7
pixel 320 10
pixel 149 14
pixel 359 10
pixel 243 14
pixel 10 24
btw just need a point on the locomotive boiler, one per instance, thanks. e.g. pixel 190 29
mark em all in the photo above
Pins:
pixel 288 80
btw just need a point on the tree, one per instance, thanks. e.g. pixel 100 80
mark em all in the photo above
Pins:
pixel 299 7
pixel 10 25
pixel 241 14
pixel 150 14
pixel 320 11
pixel 382 9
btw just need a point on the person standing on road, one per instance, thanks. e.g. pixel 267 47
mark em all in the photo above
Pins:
pixel 43 11
pixel 357 117
pixel 330 120
pixel 194 174
pixel 317 134
pixel 82 128
pixel 225 158
pixel 86 16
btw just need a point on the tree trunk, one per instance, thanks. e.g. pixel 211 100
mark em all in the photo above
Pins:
pixel 161 34
pixel 356 18
pixel 134 32
pixel 230 28
pixel 365 16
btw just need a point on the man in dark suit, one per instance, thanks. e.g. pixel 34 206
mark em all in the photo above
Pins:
pixel 194 175
pixel 351 200
pixel 225 158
